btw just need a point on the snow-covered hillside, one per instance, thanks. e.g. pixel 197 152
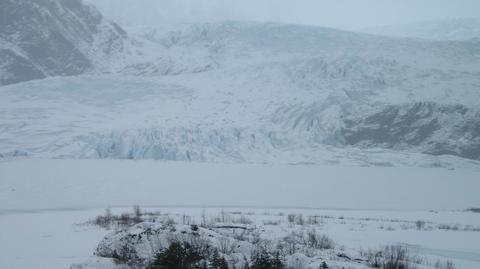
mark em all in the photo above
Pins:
pixel 235 43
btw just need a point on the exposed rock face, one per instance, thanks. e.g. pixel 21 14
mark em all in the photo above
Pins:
pixel 424 127
pixel 40 38
pixel 429 127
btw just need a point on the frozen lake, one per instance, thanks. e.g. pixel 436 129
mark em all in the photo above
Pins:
pixel 57 184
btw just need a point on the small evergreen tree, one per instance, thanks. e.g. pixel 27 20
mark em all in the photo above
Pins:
pixel 264 260
pixel 193 254
pixel 187 256
pixel 171 258
pixel 277 262
pixel 261 260
pixel 217 261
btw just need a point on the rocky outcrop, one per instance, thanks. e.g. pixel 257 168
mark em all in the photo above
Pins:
pixel 426 126
pixel 40 38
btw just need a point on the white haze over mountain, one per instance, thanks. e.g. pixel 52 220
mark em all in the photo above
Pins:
pixel 452 29
pixel 344 14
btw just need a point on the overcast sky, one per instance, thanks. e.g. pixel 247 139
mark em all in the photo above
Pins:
pixel 346 14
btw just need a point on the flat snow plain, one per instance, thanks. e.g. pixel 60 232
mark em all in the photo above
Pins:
pixel 44 202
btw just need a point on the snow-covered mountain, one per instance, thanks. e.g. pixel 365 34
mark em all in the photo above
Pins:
pixel 250 92
pixel 453 29
pixel 40 38
pixel 253 42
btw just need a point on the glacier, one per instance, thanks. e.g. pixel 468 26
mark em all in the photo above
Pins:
pixel 209 101
pixel 232 91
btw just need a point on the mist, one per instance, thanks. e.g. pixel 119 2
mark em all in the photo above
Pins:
pixel 344 14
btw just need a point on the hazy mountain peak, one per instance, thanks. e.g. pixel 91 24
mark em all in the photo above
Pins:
pixel 453 29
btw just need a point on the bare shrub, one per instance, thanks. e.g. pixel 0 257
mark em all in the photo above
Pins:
pixel 449 265
pixel 255 238
pixel 297 262
pixel 108 220
pixel 300 220
pixel 226 245
pixel 316 241
pixel 187 220
pixel 444 265
pixel 396 257
pixel 169 221
pixel 325 242
pixel 296 219
pixel 420 224
pixel 105 221
pixel 223 217
pixel 137 213
pixel 313 220
pixel 373 257
pixel 242 220
pixel 239 236
pixel 272 222
pixel 389 257
pixel 290 243
pixel 448 227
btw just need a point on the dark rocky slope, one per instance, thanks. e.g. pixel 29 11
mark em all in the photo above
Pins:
pixel 40 38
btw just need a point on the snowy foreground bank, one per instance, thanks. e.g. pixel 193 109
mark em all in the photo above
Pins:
pixel 45 205
pixel 58 239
